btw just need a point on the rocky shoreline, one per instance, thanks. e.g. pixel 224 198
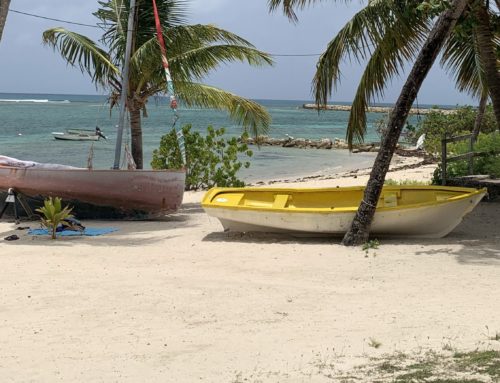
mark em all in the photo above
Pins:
pixel 376 109
pixel 305 143
pixel 336 143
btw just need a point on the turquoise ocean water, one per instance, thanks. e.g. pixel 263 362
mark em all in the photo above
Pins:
pixel 27 120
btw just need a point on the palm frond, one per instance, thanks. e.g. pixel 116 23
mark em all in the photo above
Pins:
pixel 197 63
pixel 289 5
pixel 461 60
pixel 398 46
pixel 79 50
pixel 361 35
pixel 182 36
pixel 114 16
pixel 253 117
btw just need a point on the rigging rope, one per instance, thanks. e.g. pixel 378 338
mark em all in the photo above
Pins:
pixel 170 84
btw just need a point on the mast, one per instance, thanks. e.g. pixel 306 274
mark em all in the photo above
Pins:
pixel 170 83
pixel 123 95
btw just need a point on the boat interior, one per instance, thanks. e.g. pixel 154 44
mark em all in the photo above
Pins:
pixel 329 199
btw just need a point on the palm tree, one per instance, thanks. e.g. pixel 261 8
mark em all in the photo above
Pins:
pixel 360 227
pixel 388 33
pixel 194 51
pixel 4 10
pixel 472 54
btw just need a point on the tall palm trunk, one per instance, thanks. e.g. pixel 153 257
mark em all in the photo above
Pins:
pixel 487 54
pixel 136 134
pixel 4 10
pixel 360 228
pixel 480 115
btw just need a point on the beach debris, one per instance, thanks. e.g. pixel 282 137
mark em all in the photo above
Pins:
pixel 12 237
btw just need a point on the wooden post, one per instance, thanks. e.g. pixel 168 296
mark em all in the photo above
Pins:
pixel 443 161
pixel 471 158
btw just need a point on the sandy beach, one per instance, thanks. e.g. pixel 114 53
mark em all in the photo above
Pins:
pixel 179 300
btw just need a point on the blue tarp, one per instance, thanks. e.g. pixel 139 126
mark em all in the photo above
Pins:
pixel 92 232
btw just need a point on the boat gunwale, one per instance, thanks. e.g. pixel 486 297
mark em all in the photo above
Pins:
pixel 93 170
pixel 212 193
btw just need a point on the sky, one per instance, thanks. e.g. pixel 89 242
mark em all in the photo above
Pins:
pixel 27 66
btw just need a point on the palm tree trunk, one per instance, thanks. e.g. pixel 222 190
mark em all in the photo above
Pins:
pixel 136 133
pixel 480 114
pixel 4 10
pixel 360 228
pixel 488 57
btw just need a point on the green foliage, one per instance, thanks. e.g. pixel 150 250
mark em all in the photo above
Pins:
pixel 488 163
pixel 372 244
pixel 54 214
pixel 433 7
pixel 436 125
pixel 211 160
pixel 391 182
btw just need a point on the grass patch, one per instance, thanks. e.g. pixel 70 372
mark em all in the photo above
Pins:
pixel 391 182
pixel 420 367
pixel 434 367
pixel 486 362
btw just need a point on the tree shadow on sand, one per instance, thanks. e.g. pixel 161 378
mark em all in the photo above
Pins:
pixel 478 236
pixel 270 238
pixel 129 233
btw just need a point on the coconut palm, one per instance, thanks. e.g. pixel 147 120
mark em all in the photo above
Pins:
pixel 388 33
pixel 360 227
pixel 4 10
pixel 472 53
pixel 194 51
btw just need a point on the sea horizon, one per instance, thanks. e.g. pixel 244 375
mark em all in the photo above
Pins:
pixel 301 101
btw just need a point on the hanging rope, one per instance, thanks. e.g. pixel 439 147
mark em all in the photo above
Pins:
pixel 170 84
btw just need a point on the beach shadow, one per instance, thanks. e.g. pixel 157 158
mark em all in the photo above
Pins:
pixel 478 235
pixel 129 233
pixel 269 238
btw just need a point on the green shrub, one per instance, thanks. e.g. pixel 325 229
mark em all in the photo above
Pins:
pixel 489 163
pixel 436 125
pixel 211 160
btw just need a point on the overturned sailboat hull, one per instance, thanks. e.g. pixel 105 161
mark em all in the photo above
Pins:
pixel 132 194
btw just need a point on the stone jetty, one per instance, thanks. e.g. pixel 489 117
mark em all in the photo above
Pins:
pixel 305 143
pixel 377 109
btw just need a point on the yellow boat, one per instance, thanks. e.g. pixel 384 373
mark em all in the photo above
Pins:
pixel 402 211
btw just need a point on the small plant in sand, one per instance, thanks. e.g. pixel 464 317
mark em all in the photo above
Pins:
pixel 371 244
pixel 53 214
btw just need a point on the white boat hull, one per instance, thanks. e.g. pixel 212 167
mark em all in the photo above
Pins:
pixel 422 221
pixel 74 137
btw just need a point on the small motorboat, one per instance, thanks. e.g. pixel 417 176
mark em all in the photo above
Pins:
pixel 402 211
pixel 79 135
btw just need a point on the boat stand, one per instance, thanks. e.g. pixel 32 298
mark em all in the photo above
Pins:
pixel 13 197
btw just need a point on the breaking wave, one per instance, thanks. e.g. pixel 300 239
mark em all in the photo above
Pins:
pixel 35 100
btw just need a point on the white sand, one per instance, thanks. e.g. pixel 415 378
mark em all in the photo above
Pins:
pixel 181 301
